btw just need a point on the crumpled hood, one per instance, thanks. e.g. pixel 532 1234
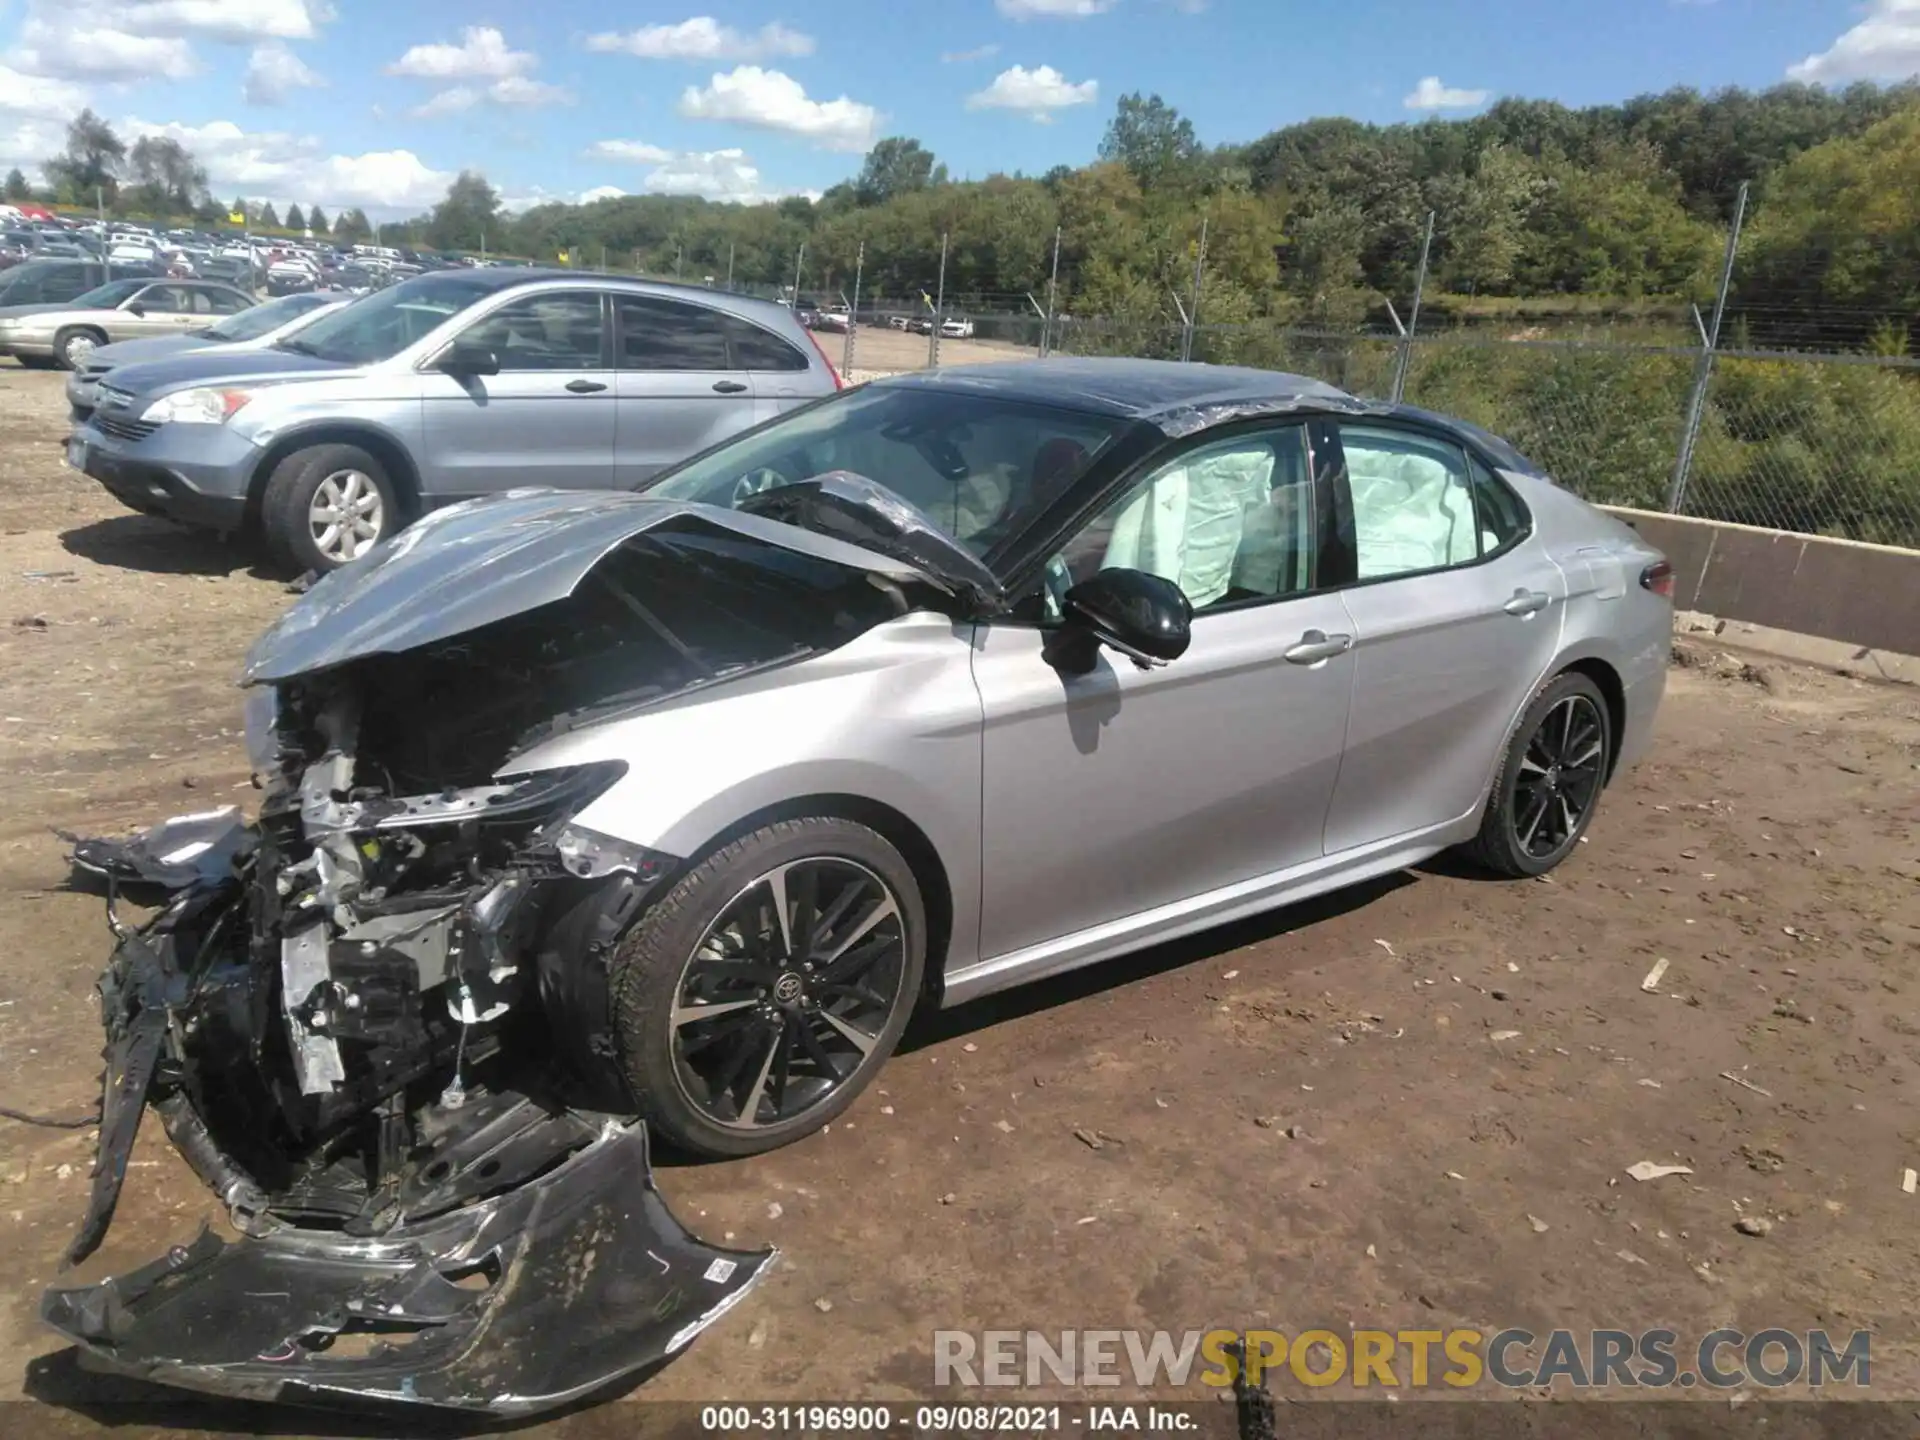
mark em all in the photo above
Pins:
pixel 226 363
pixel 484 561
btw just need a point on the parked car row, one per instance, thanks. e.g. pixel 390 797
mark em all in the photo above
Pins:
pixel 331 432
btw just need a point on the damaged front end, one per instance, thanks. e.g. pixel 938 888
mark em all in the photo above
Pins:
pixel 375 1021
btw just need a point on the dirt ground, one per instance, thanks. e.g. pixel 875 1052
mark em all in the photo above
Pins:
pixel 1408 1107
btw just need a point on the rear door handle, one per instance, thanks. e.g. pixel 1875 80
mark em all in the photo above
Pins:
pixel 1526 602
pixel 728 387
pixel 1317 645
pixel 585 387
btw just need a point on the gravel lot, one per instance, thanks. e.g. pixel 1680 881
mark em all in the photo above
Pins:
pixel 1408 1107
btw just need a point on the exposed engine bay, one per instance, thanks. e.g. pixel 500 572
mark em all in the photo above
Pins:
pixel 375 1020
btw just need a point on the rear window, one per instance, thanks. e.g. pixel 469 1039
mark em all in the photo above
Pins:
pixel 758 349
pixel 661 334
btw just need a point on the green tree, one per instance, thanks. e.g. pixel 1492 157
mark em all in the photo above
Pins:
pixel 240 208
pixel 895 166
pixel 352 225
pixel 317 221
pixel 470 211
pixel 16 185
pixel 267 219
pixel 91 162
pixel 295 220
pixel 167 180
pixel 1151 138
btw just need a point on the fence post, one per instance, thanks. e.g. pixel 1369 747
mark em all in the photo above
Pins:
pixel 729 265
pixel 1053 291
pixel 1193 310
pixel 853 310
pixel 939 308
pixel 1703 370
pixel 1413 316
pixel 799 260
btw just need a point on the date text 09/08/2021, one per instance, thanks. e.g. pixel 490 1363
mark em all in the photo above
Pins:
pixel 939 1419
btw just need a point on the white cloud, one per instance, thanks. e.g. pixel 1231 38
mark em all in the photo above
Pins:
pixel 281 168
pixel 1052 9
pixel 274 72
pixel 38 94
pixel 482 54
pixel 1883 46
pixel 961 57
pixel 1038 92
pixel 704 38
pixel 130 40
pixel 635 152
pixel 238 21
pixel 513 90
pixel 81 49
pixel 1430 94
pixel 601 192
pixel 30 141
pixel 771 100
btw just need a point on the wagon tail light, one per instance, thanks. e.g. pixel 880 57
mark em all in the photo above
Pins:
pixel 814 341
pixel 1658 577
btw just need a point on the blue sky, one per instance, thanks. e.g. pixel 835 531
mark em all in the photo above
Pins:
pixel 354 102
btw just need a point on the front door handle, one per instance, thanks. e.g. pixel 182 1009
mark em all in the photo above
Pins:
pixel 585 387
pixel 1317 645
pixel 1526 602
pixel 728 387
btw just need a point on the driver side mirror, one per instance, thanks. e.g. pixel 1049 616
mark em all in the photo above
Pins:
pixel 1146 618
pixel 136 308
pixel 463 361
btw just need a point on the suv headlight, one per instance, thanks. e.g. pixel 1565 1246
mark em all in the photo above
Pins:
pixel 206 406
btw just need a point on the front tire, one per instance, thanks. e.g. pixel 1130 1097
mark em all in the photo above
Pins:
pixel 1549 786
pixel 763 992
pixel 326 506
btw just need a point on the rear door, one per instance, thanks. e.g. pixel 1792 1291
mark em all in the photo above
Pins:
pixel 546 419
pixel 783 377
pixel 678 387
pixel 1456 613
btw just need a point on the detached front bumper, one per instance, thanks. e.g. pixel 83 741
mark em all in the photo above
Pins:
pixel 529 1300
pixel 520 1259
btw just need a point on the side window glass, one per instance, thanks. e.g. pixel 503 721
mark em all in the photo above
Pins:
pixel 165 299
pixel 1413 508
pixel 1502 517
pixel 757 349
pixel 659 334
pixel 542 332
pixel 1229 522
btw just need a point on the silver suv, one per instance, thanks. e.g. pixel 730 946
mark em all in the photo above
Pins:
pixel 449 386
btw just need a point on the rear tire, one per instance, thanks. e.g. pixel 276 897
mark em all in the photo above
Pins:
pixel 1549 786
pixel 325 506
pixel 808 1010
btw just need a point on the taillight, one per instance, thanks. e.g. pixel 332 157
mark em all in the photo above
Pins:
pixel 814 341
pixel 1658 577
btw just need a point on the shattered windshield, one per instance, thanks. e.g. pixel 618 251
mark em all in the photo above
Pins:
pixel 980 467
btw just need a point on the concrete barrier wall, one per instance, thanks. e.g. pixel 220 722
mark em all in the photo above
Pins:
pixel 1867 595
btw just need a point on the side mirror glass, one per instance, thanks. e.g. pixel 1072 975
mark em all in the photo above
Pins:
pixel 1145 617
pixel 463 361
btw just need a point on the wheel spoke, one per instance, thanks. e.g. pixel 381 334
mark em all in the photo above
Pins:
pixel 776 883
pixel 729 1028
pixel 750 1107
pixel 1570 816
pixel 691 1014
pixel 881 911
pixel 806 910
pixel 1533 826
pixel 851 964
pixel 855 1036
pixel 816 1052
pixel 750 971
pixel 783 1064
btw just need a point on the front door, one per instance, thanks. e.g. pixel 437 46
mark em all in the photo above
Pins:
pixel 546 419
pixel 1455 617
pixel 1124 791
pixel 679 388
pixel 159 310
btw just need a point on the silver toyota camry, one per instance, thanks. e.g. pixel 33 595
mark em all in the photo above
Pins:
pixel 589 815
